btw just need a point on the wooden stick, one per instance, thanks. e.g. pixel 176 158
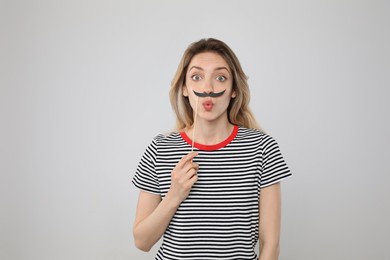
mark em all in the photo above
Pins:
pixel 193 131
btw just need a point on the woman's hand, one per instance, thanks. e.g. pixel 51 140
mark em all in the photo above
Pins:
pixel 153 214
pixel 183 177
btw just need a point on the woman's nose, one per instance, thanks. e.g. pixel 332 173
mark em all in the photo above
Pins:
pixel 208 86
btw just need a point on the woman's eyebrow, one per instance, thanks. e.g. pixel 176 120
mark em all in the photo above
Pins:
pixel 196 67
pixel 221 68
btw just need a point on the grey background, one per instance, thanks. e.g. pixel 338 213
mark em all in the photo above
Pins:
pixel 84 89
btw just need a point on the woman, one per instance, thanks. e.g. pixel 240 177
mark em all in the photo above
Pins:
pixel 200 186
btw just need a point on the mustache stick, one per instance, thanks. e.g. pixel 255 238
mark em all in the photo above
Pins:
pixel 211 94
pixel 193 131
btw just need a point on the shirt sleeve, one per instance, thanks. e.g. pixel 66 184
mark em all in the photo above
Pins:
pixel 274 168
pixel 145 177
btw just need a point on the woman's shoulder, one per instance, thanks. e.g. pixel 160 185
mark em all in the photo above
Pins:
pixel 169 137
pixel 254 134
pixel 250 132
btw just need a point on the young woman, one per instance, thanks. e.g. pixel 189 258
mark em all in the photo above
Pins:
pixel 211 189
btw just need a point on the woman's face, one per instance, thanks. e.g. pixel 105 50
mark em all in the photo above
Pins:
pixel 209 73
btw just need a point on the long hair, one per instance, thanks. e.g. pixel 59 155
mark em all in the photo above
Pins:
pixel 239 112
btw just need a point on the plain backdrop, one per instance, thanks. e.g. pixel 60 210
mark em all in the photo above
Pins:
pixel 84 89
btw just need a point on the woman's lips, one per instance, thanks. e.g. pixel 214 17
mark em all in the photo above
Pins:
pixel 208 105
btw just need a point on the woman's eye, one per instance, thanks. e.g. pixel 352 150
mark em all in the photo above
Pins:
pixel 196 77
pixel 221 78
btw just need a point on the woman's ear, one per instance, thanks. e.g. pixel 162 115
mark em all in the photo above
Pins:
pixel 185 91
pixel 234 94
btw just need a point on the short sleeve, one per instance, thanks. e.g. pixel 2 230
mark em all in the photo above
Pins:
pixel 145 177
pixel 274 168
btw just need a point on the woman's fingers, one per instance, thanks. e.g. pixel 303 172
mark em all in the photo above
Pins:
pixel 187 158
pixel 190 165
pixel 194 178
pixel 185 165
pixel 183 177
pixel 191 172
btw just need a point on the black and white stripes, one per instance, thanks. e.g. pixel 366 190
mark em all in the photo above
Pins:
pixel 219 219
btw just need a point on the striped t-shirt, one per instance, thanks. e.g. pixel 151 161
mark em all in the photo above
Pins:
pixel 220 217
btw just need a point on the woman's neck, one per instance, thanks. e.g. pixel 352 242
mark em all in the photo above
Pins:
pixel 209 133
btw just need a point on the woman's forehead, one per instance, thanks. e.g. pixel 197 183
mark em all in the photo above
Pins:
pixel 208 60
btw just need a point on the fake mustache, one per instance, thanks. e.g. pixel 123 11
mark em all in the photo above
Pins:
pixel 211 94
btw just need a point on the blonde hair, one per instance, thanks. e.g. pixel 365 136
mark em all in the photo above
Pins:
pixel 239 112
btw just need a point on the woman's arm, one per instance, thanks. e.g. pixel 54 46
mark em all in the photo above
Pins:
pixel 270 218
pixel 153 214
pixel 152 218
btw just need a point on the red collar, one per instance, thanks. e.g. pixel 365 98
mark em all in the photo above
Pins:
pixel 211 147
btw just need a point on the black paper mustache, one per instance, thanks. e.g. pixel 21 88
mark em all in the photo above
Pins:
pixel 211 94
